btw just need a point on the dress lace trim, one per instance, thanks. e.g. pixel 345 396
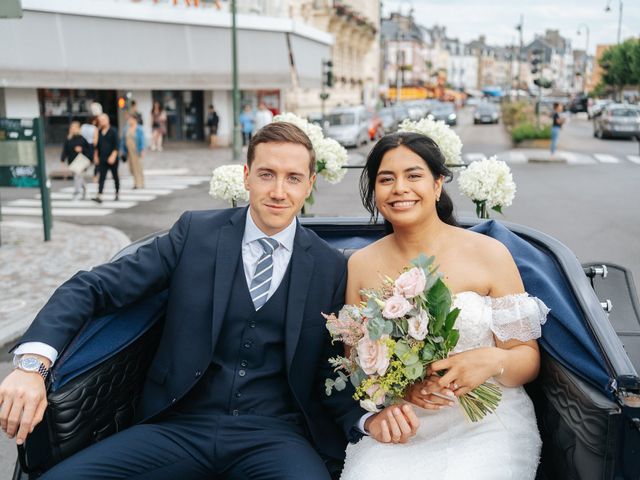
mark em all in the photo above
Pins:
pixel 518 317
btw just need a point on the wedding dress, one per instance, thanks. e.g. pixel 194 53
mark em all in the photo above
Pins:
pixel 503 445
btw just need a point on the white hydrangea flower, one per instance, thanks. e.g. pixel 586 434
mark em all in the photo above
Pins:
pixel 227 183
pixel 330 155
pixel 489 181
pixel 447 140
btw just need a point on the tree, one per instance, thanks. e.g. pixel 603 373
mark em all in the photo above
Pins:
pixel 621 64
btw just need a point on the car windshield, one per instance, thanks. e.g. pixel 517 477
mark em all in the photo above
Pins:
pixel 486 109
pixel 625 112
pixel 342 119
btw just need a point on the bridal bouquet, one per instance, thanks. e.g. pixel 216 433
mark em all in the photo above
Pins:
pixel 394 335
pixel 227 183
pixel 489 184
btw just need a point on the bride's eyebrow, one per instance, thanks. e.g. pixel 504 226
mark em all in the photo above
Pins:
pixel 406 170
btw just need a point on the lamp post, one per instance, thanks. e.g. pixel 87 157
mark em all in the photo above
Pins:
pixel 237 140
pixel 519 27
pixel 586 57
pixel 608 9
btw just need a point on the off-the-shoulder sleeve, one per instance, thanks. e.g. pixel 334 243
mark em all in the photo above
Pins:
pixel 518 317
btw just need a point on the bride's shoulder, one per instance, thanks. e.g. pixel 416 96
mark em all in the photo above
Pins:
pixel 363 256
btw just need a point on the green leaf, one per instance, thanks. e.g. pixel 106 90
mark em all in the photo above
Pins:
pixel 427 352
pixel 328 385
pixel 452 339
pixel 340 384
pixel 498 208
pixel 372 309
pixel 405 354
pixel 413 371
pixel 422 261
pixel 358 377
pixel 439 299
pixel 377 327
pixel 451 319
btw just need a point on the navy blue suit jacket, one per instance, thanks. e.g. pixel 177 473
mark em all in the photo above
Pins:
pixel 196 262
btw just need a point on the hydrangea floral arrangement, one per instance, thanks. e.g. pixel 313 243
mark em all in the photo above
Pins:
pixel 330 155
pixel 489 184
pixel 447 140
pixel 394 335
pixel 227 183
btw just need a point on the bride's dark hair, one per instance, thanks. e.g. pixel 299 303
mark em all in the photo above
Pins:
pixel 422 146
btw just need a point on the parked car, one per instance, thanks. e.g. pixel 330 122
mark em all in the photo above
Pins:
pixel 446 112
pixel 416 109
pixel 594 109
pixel 400 112
pixel 578 104
pixel 389 121
pixel 349 125
pixel 486 113
pixel 617 120
pixel 586 397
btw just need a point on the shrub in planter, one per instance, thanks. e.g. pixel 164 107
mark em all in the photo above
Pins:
pixel 528 131
pixel 514 113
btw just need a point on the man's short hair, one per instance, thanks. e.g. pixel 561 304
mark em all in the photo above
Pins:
pixel 281 132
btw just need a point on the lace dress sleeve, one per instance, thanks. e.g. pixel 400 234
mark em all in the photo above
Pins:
pixel 517 317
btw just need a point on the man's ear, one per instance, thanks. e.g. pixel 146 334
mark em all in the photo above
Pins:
pixel 246 177
pixel 312 181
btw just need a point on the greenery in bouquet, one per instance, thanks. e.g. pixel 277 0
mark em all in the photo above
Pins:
pixel 394 335
pixel 489 184
pixel 227 183
pixel 330 155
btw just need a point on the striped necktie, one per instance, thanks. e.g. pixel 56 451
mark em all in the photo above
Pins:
pixel 261 282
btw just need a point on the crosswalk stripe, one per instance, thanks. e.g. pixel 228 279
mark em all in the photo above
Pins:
pixel 472 157
pixel 634 158
pixel 577 159
pixel 165 171
pixel 57 212
pixel 110 190
pixel 517 157
pixel 606 158
pixel 32 202
pixel 123 197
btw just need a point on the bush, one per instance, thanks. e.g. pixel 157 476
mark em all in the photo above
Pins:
pixel 528 131
pixel 514 113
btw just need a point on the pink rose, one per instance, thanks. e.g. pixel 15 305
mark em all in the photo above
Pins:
pixel 396 307
pixel 411 283
pixel 419 325
pixel 373 355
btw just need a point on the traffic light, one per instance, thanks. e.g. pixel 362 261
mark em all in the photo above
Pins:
pixel 327 73
pixel 536 60
pixel 122 102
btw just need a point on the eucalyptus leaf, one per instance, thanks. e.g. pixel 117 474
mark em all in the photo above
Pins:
pixel 358 377
pixel 377 327
pixel 413 371
pixel 405 354
pixel 427 352
pixel 340 384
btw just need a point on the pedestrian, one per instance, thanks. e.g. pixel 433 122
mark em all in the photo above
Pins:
pixel 106 155
pixel 246 124
pixel 212 123
pixel 89 131
pixel 132 148
pixel 158 126
pixel 263 116
pixel 133 111
pixel 74 145
pixel 557 120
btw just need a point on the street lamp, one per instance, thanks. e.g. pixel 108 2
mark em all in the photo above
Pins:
pixel 237 141
pixel 586 57
pixel 608 9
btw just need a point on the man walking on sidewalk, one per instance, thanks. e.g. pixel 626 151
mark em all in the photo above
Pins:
pixel 106 155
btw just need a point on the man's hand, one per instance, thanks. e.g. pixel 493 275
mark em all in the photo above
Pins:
pixel 24 399
pixel 430 395
pixel 394 424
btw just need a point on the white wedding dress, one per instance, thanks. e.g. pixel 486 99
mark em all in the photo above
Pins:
pixel 504 445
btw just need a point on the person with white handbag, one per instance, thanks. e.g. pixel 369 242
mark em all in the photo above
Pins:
pixel 75 152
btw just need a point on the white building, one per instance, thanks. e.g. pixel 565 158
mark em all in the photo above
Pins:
pixel 65 54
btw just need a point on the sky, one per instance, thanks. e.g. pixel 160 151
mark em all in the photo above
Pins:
pixel 497 19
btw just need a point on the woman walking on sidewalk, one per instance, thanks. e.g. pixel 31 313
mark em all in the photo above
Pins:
pixel 557 121
pixel 75 144
pixel 132 148
pixel 158 126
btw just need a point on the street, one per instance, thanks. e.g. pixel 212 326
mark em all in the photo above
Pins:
pixel 586 203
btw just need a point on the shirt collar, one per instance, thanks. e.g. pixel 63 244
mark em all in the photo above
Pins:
pixel 284 237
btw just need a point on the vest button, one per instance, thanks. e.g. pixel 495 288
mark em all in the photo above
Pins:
pixel 238 394
pixel 247 344
pixel 252 325
pixel 198 373
pixel 173 400
pixel 244 363
pixel 242 373
pixel 235 413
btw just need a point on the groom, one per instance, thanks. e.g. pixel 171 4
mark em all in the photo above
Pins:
pixel 236 386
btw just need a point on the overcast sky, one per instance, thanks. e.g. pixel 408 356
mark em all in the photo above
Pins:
pixel 497 19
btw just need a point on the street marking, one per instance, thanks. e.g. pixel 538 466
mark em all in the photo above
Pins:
pixel 472 157
pixel 634 158
pixel 32 202
pixel 166 171
pixel 606 158
pixel 142 191
pixel 577 159
pixel 57 212
pixel 517 157
pixel 123 197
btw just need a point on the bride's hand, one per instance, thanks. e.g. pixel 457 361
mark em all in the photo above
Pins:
pixel 467 370
pixel 429 394
pixel 394 424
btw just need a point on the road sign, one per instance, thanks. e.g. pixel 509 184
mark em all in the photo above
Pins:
pixel 22 163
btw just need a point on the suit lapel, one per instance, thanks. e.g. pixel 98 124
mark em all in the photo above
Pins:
pixel 301 269
pixel 227 255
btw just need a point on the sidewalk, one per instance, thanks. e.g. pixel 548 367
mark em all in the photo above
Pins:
pixel 31 269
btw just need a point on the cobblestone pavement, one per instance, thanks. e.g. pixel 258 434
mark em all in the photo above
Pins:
pixel 31 269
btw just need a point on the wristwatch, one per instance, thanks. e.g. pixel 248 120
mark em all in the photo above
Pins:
pixel 30 364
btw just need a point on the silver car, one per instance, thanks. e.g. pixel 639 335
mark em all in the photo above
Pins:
pixel 349 126
pixel 617 120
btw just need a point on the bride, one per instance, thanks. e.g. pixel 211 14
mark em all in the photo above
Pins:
pixel 498 325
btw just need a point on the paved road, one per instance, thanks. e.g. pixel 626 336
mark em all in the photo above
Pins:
pixel 589 206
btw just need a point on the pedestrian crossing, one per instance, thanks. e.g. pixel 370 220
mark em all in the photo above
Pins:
pixel 571 158
pixel 158 183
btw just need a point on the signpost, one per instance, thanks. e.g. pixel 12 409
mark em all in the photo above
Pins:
pixel 22 163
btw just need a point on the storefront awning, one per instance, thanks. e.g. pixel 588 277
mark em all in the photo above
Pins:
pixel 116 45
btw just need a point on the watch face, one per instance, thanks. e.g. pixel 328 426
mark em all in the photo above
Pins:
pixel 30 364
